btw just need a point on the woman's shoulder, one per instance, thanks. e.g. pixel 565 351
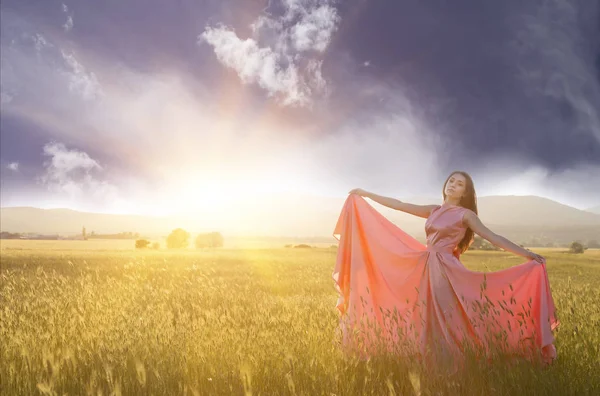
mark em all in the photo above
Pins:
pixel 467 210
pixel 434 208
pixel 467 213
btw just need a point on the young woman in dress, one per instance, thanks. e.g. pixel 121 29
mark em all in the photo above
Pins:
pixel 420 299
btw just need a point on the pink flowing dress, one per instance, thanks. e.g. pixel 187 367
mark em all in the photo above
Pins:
pixel 407 298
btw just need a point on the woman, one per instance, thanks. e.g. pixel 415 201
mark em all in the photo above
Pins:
pixel 407 298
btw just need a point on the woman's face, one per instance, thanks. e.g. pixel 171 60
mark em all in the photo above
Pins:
pixel 456 186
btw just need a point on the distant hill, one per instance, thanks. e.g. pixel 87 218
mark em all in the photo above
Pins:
pixel 68 222
pixel 532 210
pixel 595 209
pixel 519 218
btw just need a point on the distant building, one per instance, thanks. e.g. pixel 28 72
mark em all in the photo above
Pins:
pixel 44 237
pixel 10 235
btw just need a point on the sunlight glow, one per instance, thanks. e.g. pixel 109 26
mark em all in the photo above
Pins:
pixel 222 195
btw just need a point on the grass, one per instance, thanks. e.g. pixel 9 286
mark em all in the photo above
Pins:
pixel 228 322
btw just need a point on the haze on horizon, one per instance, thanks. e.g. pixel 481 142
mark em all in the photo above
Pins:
pixel 222 106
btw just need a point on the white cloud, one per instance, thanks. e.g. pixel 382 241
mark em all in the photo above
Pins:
pixel 259 65
pixel 40 42
pixel 34 66
pixel 81 82
pixel 64 161
pixel 13 166
pixel 315 27
pixel 5 98
pixel 68 25
pixel 285 65
pixel 69 171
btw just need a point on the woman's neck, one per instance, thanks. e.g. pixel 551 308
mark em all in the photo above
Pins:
pixel 450 202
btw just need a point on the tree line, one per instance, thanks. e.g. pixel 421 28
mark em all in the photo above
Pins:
pixel 180 239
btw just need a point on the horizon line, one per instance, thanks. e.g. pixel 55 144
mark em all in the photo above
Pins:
pixel 175 214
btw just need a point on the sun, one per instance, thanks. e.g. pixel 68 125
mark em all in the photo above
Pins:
pixel 223 194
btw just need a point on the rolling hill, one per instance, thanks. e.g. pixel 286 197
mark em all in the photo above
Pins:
pixel 519 218
pixel 70 222
pixel 595 209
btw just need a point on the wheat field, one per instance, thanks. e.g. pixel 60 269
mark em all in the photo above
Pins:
pixel 114 321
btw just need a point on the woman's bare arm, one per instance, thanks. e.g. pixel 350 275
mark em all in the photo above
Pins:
pixel 417 210
pixel 471 220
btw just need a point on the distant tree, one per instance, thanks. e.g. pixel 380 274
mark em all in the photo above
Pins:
pixel 10 235
pixel 481 244
pixel 83 234
pixel 142 243
pixel 288 246
pixel 178 239
pixel 477 243
pixel 593 244
pixel 303 246
pixel 156 246
pixel 550 244
pixel 209 240
pixel 576 247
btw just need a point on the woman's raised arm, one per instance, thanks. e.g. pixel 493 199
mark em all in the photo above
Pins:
pixel 417 210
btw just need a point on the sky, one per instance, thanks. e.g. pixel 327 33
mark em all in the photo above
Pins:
pixel 157 107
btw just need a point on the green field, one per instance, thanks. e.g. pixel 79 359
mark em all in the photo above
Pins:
pixel 257 321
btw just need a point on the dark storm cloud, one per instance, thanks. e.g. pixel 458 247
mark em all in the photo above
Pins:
pixel 500 77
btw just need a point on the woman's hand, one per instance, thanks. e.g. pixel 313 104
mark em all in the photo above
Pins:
pixel 536 257
pixel 358 191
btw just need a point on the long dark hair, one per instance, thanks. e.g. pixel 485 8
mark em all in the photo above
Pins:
pixel 469 201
